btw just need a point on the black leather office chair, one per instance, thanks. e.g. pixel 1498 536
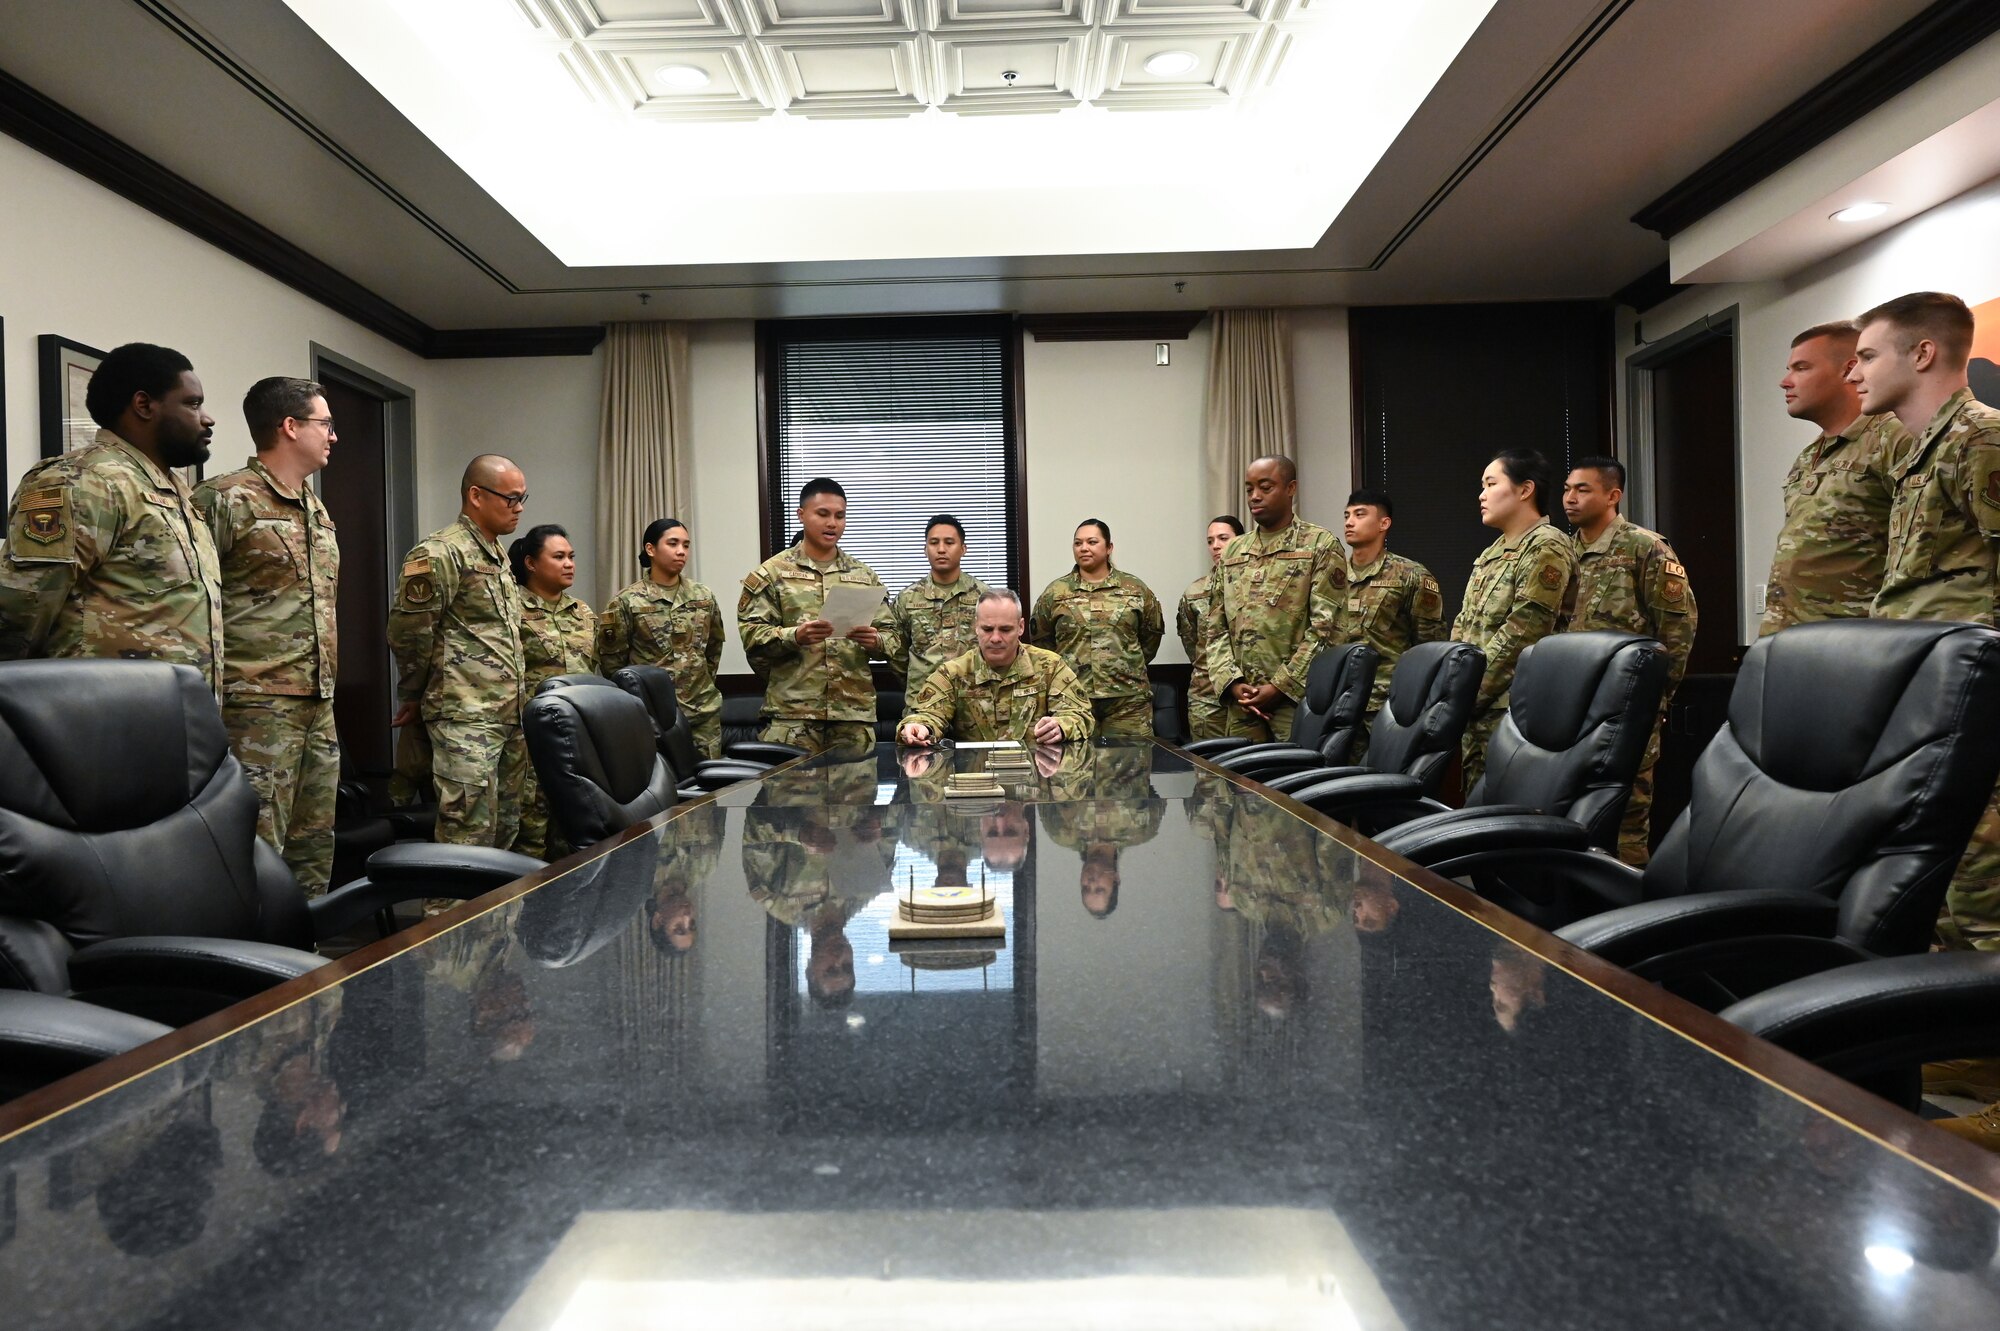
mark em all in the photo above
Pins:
pixel 576 681
pixel 1324 723
pixel 888 714
pixel 1417 731
pixel 742 718
pixel 130 869
pixel 694 774
pixel 1878 1022
pixel 1581 708
pixel 596 761
pixel 1824 821
pixel 45 1037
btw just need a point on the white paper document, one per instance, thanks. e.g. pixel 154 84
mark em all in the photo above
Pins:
pixel 850 608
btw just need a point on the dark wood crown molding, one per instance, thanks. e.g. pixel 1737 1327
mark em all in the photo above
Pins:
pixel 61 135
pixel 1648 289
pixel 1136 326
pixel 1898 62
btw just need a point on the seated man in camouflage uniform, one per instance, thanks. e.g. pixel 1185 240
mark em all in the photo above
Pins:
pixel 1003 690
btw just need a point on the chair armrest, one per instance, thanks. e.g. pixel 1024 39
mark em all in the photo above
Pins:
pixel 1459 833
pixel 759 751
pixel 1898 1012
pixel 1370 803
pixel 716 775
pixel 442 870
pixel 1291 782
pixel 44 1037
pixel 1244 750
pixel 1272 761
pixel 410 870
pixel 177 979
pixel 1632 934
pixel 1208 748
pixel 418 824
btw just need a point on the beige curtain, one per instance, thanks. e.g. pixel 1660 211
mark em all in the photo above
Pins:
pixel 642 443
pixel 1249 400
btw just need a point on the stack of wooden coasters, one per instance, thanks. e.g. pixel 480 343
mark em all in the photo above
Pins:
pixel 947 912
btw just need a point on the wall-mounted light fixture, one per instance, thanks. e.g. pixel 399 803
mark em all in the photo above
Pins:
pixel 1159 353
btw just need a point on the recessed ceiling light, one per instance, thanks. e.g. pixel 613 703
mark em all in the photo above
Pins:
pixel 682 78
pixel 1860 212
pixel 1171 64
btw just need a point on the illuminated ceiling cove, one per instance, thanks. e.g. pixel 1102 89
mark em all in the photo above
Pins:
pixel 638 132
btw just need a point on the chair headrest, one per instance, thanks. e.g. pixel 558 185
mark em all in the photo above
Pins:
pixel 1427 673
pixel 579 681
pixel 1568 684
pixel 654 687
pixel 1339 679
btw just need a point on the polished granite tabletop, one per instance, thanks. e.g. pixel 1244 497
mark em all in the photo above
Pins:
pixel 1223 1070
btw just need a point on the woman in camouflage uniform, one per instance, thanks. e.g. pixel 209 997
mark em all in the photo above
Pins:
pixel 673 622
pixel 1203 705
pixel 558 637
pixel 1518 588
pixel 1107 624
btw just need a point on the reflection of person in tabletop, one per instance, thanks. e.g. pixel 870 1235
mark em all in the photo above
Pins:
pixel 1098 830
pixel 1374 908
pixel 689 847
pixel 152 1176
pixel 1520 986
pixel 1003 836
pixel 286 1059
pixel 474 959
pixel 814 869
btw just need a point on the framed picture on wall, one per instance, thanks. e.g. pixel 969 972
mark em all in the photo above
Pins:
pixel 66 370
pixel 66 423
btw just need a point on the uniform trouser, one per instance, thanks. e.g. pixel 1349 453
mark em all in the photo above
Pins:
pixel 411 782
pixel 1239 723
pixel 1971 916
pixel 1204 717
pixel 537 837
pixel 817 736
pixel 1130 717
pixel 290 754
pixel 479 768
pixel 1635 832
pixel 707 730
pixel 1478 732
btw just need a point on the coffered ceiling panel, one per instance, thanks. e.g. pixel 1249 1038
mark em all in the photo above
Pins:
pixel 653 80
pixel 950 15
pixel 1011 73
pixel 609 22
pixel 802 18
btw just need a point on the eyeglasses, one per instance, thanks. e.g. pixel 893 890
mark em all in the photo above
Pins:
pixel 327 421
pixel 512 501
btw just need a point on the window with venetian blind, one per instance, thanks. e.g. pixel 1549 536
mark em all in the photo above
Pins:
pixel 913 417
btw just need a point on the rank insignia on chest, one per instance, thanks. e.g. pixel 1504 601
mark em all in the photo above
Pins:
pixel 1551 576
pixel 43 524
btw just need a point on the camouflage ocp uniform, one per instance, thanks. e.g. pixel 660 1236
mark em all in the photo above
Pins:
pixel 1107 631
pixel 933 624
pixel 107 556
pixel 1276 600
pixel 678 629
pixel 821 696
pixel 1204 707
pixel 965 698
pixel 1393 604
pixel 558 637
pixel 1630 579
pixel 280 587
pixel 455 629
pixel 1837 499
pixel 1518 588
pixel 1944 563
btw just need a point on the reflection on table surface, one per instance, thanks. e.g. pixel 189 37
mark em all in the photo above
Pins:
pixel 1220 1070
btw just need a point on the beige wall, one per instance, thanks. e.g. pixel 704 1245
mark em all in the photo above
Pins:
pixel 1954 247
pixel 79 261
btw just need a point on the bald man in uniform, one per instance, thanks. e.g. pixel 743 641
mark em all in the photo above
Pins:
pixel 455 630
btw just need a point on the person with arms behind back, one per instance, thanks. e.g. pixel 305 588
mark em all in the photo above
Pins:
pixel 669 620
pixel 1203 706
pixel 280 589
pixel 558 637
pixel 1106 624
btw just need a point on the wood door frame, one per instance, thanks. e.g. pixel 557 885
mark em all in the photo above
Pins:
pixel 399 443
pixel 1641 460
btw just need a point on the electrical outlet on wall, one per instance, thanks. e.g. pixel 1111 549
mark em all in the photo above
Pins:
pixel 1759 598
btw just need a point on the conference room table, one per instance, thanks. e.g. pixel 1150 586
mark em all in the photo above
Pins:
pixel 1231 1065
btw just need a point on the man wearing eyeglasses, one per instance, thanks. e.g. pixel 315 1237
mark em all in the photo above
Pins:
pixel 455 629
pixel 280 572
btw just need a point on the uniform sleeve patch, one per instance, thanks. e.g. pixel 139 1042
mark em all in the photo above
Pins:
pixel 1676 570
pixel 416 568
pixel 1993 488
pixel 418 589
pixel 1551 576
pixel 44 526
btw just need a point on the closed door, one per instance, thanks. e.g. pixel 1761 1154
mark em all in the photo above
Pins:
pixel 1694 474
pixel 355 486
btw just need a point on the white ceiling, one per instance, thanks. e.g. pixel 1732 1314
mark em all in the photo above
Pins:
pixel 888 129
pixel 1515 179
